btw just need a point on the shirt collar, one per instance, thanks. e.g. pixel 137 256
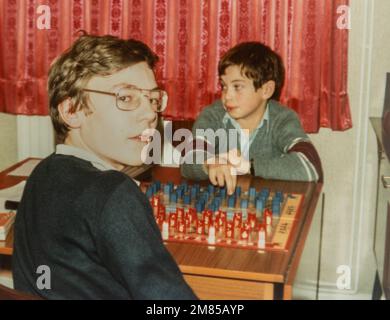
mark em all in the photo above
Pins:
pixel 236 125
pixel 69 150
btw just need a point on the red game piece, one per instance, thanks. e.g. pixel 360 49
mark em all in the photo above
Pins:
pixel 173 220
pixel 237 219
pixel 160 220
pixel 155 201
pixel 252 220
pixel 180 213
pixel 161 212
pixel 199 227
pixel 268 217
pixel 261 237
pixel 229 230
pixel 188 221
pixel 244 234
pixel 181 227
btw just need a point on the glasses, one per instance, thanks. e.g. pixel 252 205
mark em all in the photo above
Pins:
pixel 129 98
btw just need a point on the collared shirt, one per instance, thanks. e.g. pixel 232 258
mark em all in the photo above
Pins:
pixel 245 143
pixel 69 150
pixel 98 163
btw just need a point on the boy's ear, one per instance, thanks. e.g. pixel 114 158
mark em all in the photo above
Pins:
pixel 268 89
pixel 72 118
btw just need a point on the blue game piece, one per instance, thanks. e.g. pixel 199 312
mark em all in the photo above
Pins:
pixel 198 207
pixel 157 185
pixel 276 208
pixel 279 194
pixel 149 192
pixel 222 193
pixel 173 197
pixel 166 189
pixel 238 191
pixel 231 201
pixel 259 205
pixel 252 193
pixel 193 193
pixel 244 203
pixel 186 199
pixel 210 188
pixel 265 192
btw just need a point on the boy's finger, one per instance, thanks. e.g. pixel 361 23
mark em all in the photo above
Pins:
pixel 212 176
pixel 221 179
pixel 234 181
pixel 229 182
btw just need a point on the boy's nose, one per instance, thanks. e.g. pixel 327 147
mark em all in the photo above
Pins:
pixel 227 95
pixel 146 112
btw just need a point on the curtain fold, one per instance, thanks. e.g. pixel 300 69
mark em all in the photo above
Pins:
pixel 190 36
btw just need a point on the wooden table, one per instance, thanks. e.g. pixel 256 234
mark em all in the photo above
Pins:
pixel 227 273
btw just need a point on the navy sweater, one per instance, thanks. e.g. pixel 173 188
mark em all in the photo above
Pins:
pixel 96 232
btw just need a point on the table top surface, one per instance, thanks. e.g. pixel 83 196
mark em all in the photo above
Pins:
pixel 271 266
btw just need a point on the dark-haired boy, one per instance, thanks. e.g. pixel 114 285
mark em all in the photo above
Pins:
pixel 276 147
pixel 81 220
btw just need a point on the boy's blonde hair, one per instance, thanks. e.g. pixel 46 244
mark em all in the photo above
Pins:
pixel 89 56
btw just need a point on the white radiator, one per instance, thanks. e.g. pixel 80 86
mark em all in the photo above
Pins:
pixel 35 136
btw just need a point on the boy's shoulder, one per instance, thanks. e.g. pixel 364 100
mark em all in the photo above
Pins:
pixel 65 169
pixel 212 113
pixel 280 114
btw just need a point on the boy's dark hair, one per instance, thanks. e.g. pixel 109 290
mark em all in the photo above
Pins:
pixel 258 63
pixel 89 56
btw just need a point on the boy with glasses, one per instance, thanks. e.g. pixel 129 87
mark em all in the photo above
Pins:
pixel 79 215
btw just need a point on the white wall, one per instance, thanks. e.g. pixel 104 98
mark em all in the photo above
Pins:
pixel 8 145
pixel 349 158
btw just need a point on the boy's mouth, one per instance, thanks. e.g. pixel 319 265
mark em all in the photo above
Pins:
pixel 230 108
pixel 142 138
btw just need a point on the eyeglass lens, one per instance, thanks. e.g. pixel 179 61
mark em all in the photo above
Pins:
pixel 130 98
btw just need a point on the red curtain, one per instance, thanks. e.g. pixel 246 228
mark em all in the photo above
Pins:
pixel 189 36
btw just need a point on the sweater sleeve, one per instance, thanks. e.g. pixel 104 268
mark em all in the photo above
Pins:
pixel 293 163
pixel 130 246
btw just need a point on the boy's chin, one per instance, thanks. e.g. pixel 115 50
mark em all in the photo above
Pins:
pixel 133 162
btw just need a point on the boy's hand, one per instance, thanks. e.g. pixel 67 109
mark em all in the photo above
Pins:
pixel 224 168
pixel 221 172
pixel 240 165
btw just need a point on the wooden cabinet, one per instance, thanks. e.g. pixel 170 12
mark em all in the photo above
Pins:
pixel 382 218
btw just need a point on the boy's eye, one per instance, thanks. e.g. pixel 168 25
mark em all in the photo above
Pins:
pixel 154 101
pixel 125 99
pixel 238 87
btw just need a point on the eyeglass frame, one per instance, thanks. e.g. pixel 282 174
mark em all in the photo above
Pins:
pixel 116 95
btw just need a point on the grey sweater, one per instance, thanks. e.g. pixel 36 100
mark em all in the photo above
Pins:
pixel 271 148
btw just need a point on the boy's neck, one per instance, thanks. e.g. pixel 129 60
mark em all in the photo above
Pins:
pixel 72 141
pixel 252 121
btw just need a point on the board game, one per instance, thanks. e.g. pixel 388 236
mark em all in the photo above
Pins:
pixel 253 219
